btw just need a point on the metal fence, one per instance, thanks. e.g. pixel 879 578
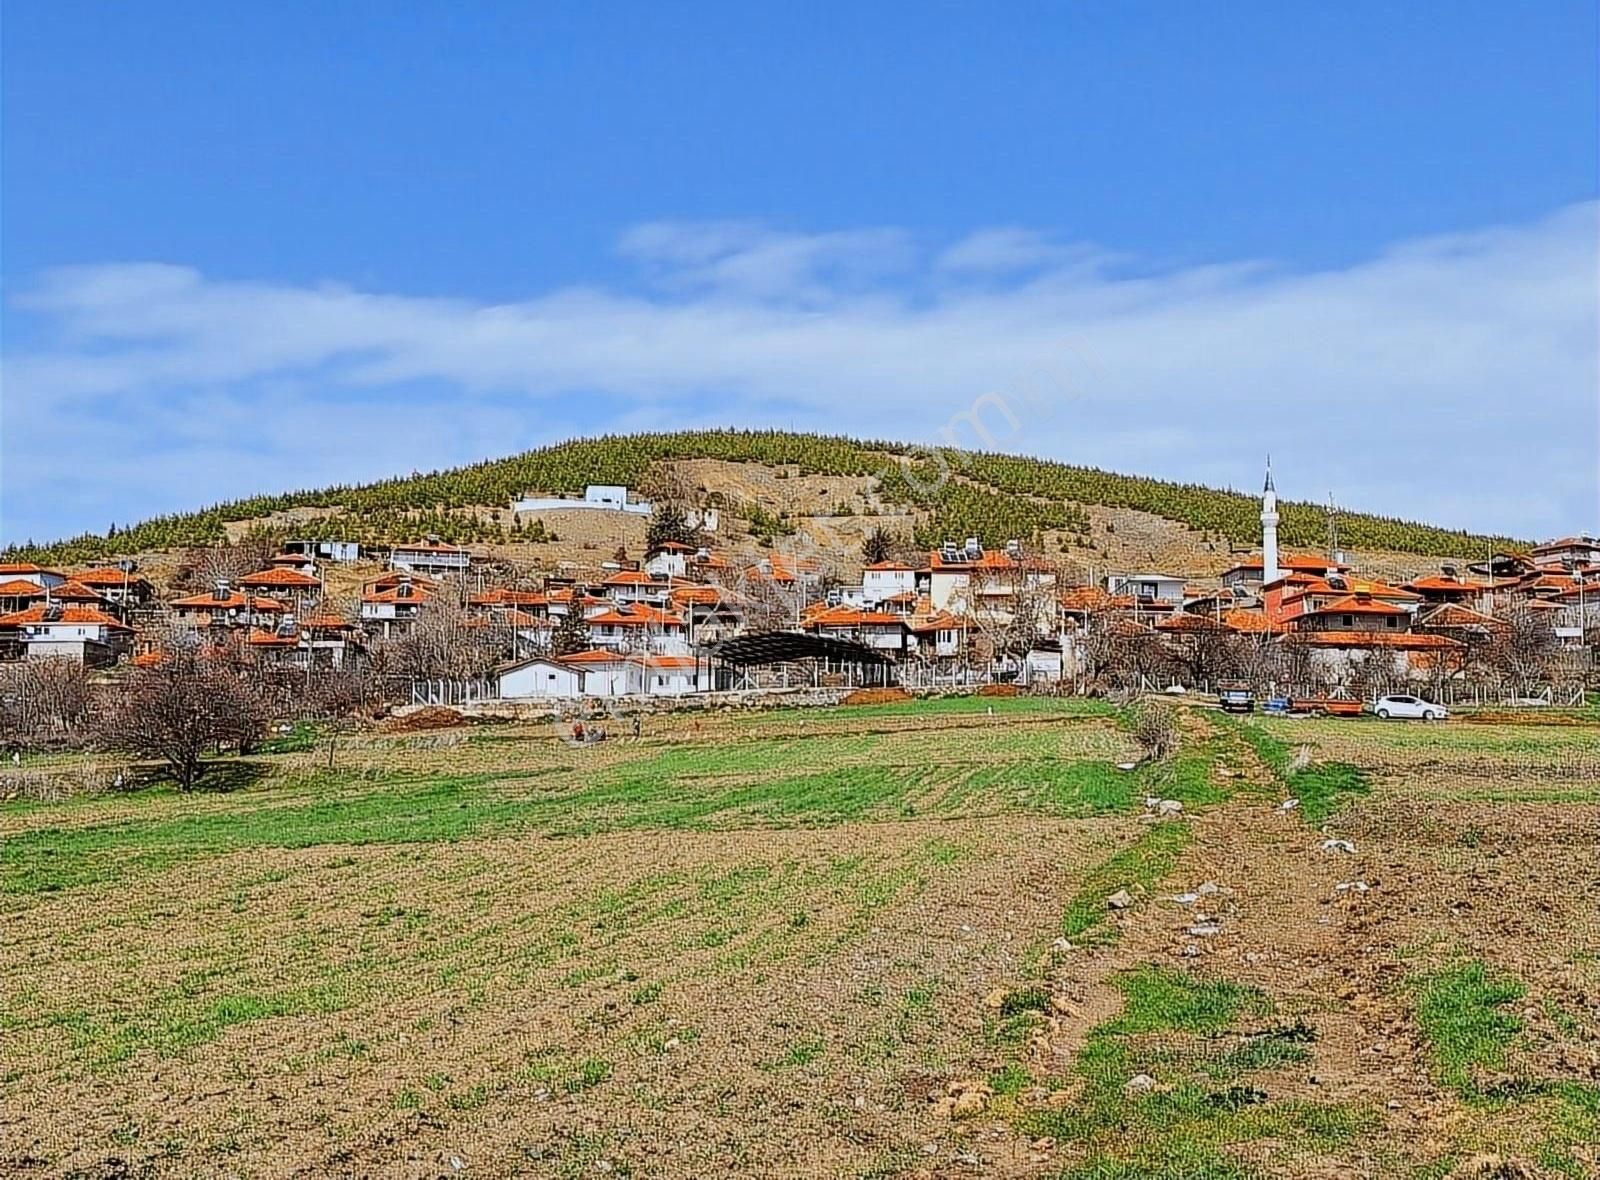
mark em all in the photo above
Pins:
pixel 453 692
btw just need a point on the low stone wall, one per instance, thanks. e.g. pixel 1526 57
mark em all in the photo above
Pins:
pixel 766 698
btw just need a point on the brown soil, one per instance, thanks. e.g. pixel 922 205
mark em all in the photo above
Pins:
pixel 999 690
pixel 753 1003
pixel 876 696
pixel 1524 717
pixel 422 720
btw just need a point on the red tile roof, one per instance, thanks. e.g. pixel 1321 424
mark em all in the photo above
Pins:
pixel 9 568
pixel 1292 563
pixel 234 601
pixel 78 616
pixel 598 655
pixel 109 575
pixel 1454 615
pixel 280 577
pixel 1369 587
pixel 426 547
pixel 636 615
pixel 395 577
pixel 1252 622
pixel 925 621
pixel 891 567
pixel 327 622
pixel 1440 583
pixel 21 588
pixel 1087 599
pixel 1185 621
pixel 272 639
pixel 1404 640
pixel 1357 604
pixel 632 578
pixel 994 560
pixel 418 593
pixel 695 594
pixel 667 662
pixel 847 616
pixel 75 592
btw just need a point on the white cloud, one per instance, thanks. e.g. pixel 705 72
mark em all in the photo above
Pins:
pixel 1452 379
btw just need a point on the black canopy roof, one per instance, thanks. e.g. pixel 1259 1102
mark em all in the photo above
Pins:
pixel 782 647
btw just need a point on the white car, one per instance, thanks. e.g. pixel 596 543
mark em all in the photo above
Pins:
pixel 1404 706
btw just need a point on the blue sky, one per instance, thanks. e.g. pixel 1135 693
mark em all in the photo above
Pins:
pixel 254 247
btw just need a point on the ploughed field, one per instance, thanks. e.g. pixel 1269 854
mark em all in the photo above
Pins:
pixel 939 938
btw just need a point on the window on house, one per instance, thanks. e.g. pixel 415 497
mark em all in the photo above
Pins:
pixel 1349 620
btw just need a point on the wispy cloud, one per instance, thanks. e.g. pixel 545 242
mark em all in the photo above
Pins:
pixel 1453 378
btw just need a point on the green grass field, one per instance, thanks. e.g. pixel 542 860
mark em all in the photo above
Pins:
pixel 764 942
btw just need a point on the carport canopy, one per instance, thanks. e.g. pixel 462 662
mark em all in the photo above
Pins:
pixel 784 647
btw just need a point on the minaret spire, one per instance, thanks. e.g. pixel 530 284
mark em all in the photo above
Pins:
pixel 1269 530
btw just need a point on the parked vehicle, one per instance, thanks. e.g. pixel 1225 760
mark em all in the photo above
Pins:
pixel 1236 698
pixel 1327 706
pixel 1409 707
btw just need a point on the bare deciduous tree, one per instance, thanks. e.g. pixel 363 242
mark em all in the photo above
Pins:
pixel 1011 608
pixel 44 702
pixel 201 569
pixel 1124 654
pixel 179 709
pixel 1155 728
pixel 446 642
pixel 1523 651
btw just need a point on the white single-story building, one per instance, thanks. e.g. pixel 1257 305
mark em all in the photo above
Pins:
pixel 605 497
pixel 539 676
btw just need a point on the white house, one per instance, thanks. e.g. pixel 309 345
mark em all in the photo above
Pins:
pixel 116 584
pixel 884 580
pixel 639 627
pixel 673 675
pixel 82 633
pixel 225 607
pixel 432 556
pixel 1584 550
pixel 340 551
pixel 937 634
pixel 634 586
pixel 393 607
pixel 881 631
pixel 28 572
pixel 670 559
pixel 1147 588
pixel 604 497
pixel 972 580
pixel 539 676
pixel 851 596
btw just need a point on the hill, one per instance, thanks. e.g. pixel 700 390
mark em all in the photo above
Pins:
pixel 953 494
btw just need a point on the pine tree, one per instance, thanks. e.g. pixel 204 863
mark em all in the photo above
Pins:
pixel 668 523
pixel 876 546
pixel 572 632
